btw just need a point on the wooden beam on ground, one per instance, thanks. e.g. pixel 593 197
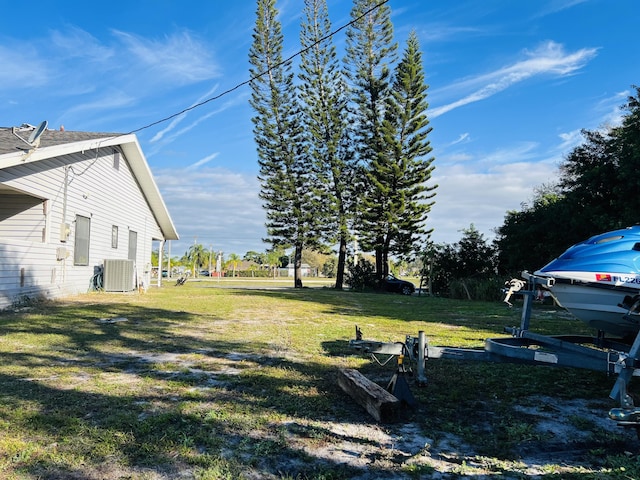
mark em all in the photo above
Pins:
pixel 380 404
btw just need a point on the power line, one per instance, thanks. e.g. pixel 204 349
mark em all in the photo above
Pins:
pixel 251 79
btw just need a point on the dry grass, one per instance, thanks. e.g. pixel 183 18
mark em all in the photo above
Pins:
pixel 228 380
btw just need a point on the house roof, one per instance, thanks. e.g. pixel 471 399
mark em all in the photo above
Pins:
pixel 55 143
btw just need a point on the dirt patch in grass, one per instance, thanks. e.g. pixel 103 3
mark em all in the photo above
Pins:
pixel 565 436
pixel 370 451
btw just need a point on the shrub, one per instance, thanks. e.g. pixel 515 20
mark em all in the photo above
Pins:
pixel 361 276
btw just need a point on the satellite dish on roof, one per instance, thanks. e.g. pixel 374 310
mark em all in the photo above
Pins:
pixel 34 138
pixel 37 132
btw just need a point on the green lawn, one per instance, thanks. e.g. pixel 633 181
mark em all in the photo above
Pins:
pixel 229 379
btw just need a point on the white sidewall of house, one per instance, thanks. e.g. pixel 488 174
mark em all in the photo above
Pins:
pixel 42 263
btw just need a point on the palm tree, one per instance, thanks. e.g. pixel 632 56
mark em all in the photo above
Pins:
pixel 197 255
pixel 272 257
pixel 233 261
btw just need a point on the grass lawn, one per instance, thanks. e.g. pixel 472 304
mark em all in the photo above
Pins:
pixel 232 379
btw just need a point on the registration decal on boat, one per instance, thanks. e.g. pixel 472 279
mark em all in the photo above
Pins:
pixel 603 277
pixel 633 279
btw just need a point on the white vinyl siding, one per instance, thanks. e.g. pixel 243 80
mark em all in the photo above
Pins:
pixel 22 217
pixel 95 190
pixel 26 272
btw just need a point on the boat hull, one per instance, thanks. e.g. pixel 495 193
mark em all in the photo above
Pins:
pixel 598 306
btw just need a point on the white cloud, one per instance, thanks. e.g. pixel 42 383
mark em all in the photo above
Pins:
pixel 162 138
pixel 548 59
pixel 105 81
pixel 441 32
pixel 611 110
pixel 178 58
pixel 75 42
pixel 466 197
pixel 464 137
pixel 521 152
pixel 22 68
pixel 480 189
pixel 556 6
pixel 176 121
pixel 608 114
pixel 215 206
pixel 108 101
pixel 204 161
pixel 570 140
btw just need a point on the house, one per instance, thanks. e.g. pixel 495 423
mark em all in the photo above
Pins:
pixel 77 210
pixel 305 270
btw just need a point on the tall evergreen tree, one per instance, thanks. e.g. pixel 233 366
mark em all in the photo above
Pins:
pixel 371 52
pixel 323 92
pixel 284 164
pixel 398 175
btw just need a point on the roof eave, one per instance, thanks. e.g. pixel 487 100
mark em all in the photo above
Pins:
pixel 133 153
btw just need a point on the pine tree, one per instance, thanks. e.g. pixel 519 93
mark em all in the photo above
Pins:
pixel 370 54
pixel 284 164
pixel 398 210
pixel 323 92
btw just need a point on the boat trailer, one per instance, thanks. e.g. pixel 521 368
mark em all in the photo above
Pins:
pixel 525 347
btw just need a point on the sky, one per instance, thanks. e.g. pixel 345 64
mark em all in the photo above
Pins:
pixel 511 86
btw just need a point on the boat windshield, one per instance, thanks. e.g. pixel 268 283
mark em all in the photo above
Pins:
pixel 609 239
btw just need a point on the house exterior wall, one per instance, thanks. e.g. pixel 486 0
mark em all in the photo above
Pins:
pixel 21 217
pixel 37 255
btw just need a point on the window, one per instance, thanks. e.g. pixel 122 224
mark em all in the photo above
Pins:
pixel 114 236
pixel 81 247
pixel 133 245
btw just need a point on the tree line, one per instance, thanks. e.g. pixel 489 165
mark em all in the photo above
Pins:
pixel 342 145
pixel 597 191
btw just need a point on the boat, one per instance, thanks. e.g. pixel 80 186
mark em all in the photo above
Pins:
pixel 598 281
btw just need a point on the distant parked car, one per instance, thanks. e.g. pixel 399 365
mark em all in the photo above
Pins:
pixel 204 273
pixel 393 284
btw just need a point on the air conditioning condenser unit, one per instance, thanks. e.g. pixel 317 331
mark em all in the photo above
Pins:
pixel 118 275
